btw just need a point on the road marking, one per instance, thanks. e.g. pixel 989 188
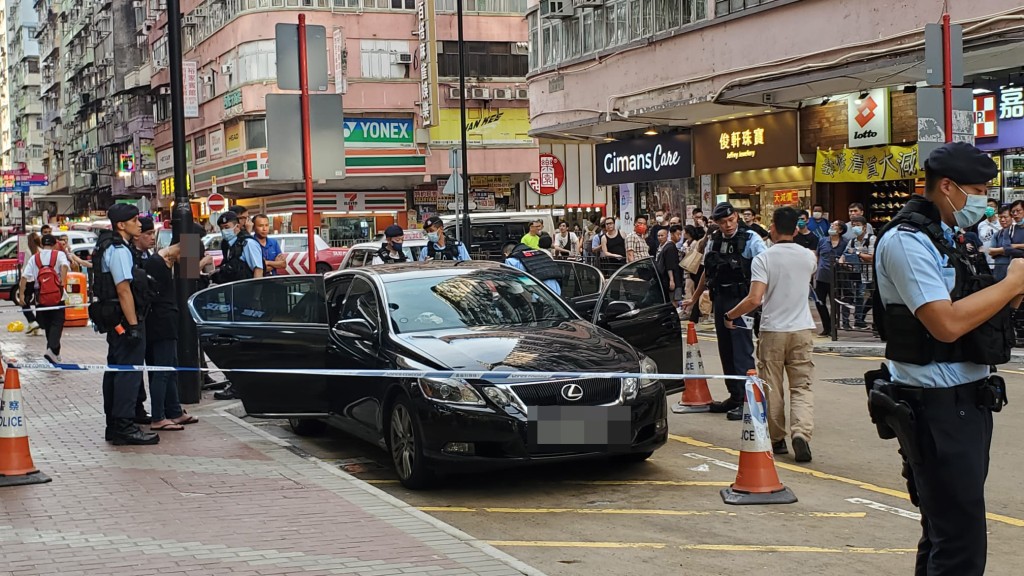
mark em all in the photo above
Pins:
pixel 868 358
pixel 885 508
pixel 826 476
pixel 716 462
pixel 634 512
pixel 705 547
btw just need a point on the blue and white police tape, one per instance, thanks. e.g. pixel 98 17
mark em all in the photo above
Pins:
pixel 512 375
pixel 18 309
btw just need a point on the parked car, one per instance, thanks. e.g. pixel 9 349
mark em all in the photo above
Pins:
pixel 448 316
pixel 328 258
pixel 362 254
pixel 492 230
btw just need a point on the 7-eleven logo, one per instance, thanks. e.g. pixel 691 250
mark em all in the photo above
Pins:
pixel 865 111
pixel 351 200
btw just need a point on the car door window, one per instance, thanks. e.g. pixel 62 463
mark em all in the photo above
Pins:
pixel 361 303
pixel 280 300
pixel 487 233
pixel 9 250
pixel 213 305
pixel 636 283
pixel 590 278
pixel 336 293
pixel 516 230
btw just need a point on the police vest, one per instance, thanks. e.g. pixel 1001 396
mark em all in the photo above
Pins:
pixel 907 339
pixel 385 255
pixel 725 265
pixel 449 252
pixel 108 311
pixel 537 262
pixel 233 267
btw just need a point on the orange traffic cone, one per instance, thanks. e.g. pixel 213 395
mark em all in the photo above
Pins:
pixel 16 467
pixel 757 481
pixel 696 397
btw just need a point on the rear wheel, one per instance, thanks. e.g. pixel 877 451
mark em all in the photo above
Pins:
pixel 307 427
pixel 323 268
pixel 405 442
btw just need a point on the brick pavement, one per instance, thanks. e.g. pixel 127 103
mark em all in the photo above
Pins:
pixel 220 497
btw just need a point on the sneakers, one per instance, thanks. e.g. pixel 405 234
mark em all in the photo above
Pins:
pixel 52 357
pixel 33 329
pixel 801 448
pixel 780 447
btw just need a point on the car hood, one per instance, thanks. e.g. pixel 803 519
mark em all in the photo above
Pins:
pixel 563 347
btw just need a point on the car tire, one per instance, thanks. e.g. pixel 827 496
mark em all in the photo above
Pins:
pixel 405 444
pixel 323 268
pixel 634 458
pixel 307 427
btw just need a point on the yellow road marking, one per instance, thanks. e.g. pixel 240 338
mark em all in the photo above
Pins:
pixel 826 476
pixel 868 358
pixel 707 547
pixel 636 512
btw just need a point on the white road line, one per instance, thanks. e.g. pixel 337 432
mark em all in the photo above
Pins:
pixel 885 508
pixel 711 460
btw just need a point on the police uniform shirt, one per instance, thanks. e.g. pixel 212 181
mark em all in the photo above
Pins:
pixel 463 254
pixel 755 245
pixel 119 262
pixel 550 283
pixel 912 272
pixel 252 253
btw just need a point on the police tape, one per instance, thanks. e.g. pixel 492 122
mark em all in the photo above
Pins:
pixel 463 374
pixel 17 309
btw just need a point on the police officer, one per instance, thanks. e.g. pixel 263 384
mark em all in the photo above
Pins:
pixel 123 292
pixel 944 326
pixel 440 246
pixel 243 257
pixel 536 262
pixel 730 250
pixel 391 251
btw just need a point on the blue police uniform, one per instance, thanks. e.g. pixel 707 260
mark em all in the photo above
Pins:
pixel 463 254
pixel 550 282
pixel 252 253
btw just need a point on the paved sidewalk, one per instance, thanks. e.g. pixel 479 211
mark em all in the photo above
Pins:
pixel 220 497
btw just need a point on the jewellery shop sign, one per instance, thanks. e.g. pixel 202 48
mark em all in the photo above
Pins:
pixel 876 164
pixel 645 159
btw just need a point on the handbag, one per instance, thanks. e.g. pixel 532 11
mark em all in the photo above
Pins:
pixel 692 261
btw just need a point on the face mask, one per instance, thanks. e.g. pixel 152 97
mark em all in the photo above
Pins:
pixel 857 230
pixel 973 210
pixel 432 236
pixel 833 232
pixel 397 246
pixel 801 223
pixel 640 228
pixel 817 215
pixel 659 219
pixel 990 212
pixel 228 235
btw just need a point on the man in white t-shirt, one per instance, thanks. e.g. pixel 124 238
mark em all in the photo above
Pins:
pixel 51 321
pixel 779 280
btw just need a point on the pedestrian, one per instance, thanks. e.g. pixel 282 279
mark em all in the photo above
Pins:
pixel 566 244
pixel 698 219
pixel 803 236
pixel 819 225
pixel 856 210
pixel 945 332
pixel 273 258
pixel 779 279
pixel 243 217
pixel 536 262
pixel 243 257
pixel 27 299
pixel 652 232
pixel 441 247
pixel 123 294
pixel 636 243
pixel 666 262
pixel 47 271
pixel 391 251
pixel 1001 248
pixel 45 230
pixel 727 259
pixel 859 254
pixel 751 218
pixel 988 228
pixel 532 236
pixel 613 246
pixel 830 249
pixel 143 246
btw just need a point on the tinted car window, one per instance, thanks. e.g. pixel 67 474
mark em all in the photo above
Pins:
pixel 336 293
pixel 636 283
pixel 516 230
pixel 361 303
pixel 590 278
pixel 9 249
pixel 214 305
pixel 360 257
pixel 488 233
pixel 280 300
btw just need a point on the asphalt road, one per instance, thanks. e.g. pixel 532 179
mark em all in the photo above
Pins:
pixel 666 515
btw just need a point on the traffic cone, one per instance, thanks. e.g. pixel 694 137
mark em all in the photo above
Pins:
pixel 757 481
pixel 16 467
pixel 696 396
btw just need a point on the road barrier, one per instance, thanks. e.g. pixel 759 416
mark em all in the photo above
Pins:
pixel 696 397
pixel 16 466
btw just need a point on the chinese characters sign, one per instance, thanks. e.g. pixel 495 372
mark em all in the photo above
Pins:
pixel 191 88
pixel 1011 103
pixel 786 197
pixel 552 174
pixel 741 143
pixel 428 63
pixel 877 164
pixel 768 141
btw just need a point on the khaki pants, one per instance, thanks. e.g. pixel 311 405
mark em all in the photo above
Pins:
pixel 781 354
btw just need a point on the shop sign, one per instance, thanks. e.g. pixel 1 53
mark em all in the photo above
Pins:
pixel 1011 103
pixel 427 197
pixel 501 186
pixel 552 174
pixel 786 197
pixel 216 142
pixel 985 124
pixel 877 164
pixel 868 119
pixel 645 159
pixel 190 79
pixel 483 126
pixel 768 141
pixel 233 138
pixel 232 98
pixel 165 161
pixel 370 131
pixel 428 63
pixel 484 200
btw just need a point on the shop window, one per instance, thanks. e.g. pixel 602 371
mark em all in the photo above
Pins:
pixel 491 59
pixel 255 134
pixel 200 148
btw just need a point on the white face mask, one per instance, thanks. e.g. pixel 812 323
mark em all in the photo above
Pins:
pixel 817 215
pixel 973 210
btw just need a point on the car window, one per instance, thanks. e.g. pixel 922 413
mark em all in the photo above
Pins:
pixel 516 230
pixel 319 242
pixel 636 283
pixel 336 293
pixel 213 242
pixel 213 305
pixel 361 303
pixel 362 257
pixel 488 233
pixel 285 300
pixel 9 249
pixel 590 279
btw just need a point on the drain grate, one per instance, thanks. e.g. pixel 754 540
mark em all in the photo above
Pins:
pixel 846 381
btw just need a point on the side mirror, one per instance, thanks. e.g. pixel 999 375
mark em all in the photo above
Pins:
pixel 354 328
pixel 618 308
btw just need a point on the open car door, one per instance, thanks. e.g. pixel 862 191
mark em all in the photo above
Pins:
pixel 633 305
pixel 275 323
pixel 581 286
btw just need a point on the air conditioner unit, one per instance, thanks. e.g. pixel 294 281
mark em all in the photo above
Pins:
pixel 520 48
pixel 404 58
pixel 227 68
pixel 189 20
pixel 502 94
pixel 137 4
pixel 165 90
pixel 480 93
pixel 453 94
pixel 522 94
pixel 147 27
pixel 556 10
pixel 206 78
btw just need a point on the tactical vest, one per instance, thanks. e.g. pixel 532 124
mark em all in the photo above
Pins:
pixel 449 252
pixel 385 255
pixel 907 339
pixel 536 262
pixel 725 267
pixel 233 267
pixel 106 311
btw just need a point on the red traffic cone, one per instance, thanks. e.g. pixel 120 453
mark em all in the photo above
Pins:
pixel 16 466
pixel 696 397
pixel 757 481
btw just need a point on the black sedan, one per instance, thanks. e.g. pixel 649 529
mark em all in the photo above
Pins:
pixel 468 316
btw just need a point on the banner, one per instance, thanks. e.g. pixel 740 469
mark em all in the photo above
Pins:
pixel 876 164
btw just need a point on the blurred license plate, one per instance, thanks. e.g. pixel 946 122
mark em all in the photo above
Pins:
pixel 579 427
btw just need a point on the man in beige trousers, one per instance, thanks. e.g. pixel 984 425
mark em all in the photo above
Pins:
pixel 780 284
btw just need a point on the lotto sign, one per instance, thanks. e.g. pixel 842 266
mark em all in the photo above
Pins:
pixel 985 125
pixel 552 174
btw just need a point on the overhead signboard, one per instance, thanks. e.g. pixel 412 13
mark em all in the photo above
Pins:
pixel 767 141
pixel 868 119
pixel 644 159
pixel 380 132
pixel 326 134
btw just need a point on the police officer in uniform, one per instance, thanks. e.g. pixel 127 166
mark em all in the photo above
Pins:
pixel 946 327
pixel 243 257
pixel 536 262
pixel 123 292
pixel 727 258
pixel 391 251
pixel 440 246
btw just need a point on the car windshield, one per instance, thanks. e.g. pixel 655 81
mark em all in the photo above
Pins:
pixel 480 298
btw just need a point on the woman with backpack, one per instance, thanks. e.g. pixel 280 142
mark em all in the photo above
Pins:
pixel 46 270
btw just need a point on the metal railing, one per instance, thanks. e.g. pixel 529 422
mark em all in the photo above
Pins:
pixel 850 298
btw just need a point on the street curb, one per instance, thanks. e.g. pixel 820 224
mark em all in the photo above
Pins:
pixel 514 563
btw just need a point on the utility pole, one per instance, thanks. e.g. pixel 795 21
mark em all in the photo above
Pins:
pixel 186 271
pixel 466 235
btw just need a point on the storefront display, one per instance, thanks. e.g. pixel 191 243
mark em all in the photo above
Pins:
pixel 881 178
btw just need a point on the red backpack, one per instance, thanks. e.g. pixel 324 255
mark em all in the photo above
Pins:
pixel 50 292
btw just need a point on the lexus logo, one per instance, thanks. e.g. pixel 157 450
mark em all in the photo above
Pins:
pixel 572 392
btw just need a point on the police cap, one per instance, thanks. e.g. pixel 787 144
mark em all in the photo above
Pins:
pixel 722 210
pixel 227 217
pixel 393 231
pixel 147 223
pixel 121 213
pixel 962 163
pixel 432 221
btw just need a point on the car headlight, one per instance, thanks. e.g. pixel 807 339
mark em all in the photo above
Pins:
pixel 503 398
pixel 450 391
pixel 647 366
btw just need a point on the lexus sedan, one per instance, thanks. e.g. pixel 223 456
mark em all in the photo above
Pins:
pixel 464 316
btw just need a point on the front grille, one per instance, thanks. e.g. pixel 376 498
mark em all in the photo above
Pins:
pixel 596 391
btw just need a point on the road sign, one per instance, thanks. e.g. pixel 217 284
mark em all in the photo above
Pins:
pixel 326 136
pixel 931 123
pixel 933 54
pixel 287 42
pixel 458 205
pixel 453 186
pixel 552 174
pixel 215 202
pixel 143 205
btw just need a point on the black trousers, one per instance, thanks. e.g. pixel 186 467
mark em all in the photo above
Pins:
pixel 955 436
pixel 121 389
pixel 52 323
pixel 30 294
pixel 735 347
pixel 823 290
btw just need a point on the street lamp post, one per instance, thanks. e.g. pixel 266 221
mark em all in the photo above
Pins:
pixel 466 236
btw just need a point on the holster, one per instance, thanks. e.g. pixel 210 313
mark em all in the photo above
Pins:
pixel 892 417
pixel 992 394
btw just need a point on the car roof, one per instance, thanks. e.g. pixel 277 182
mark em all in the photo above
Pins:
pixel 414 270
pixel 376 245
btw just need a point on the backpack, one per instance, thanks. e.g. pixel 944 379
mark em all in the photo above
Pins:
pixel 50 292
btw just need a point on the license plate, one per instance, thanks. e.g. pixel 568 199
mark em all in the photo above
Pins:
pixel 579 427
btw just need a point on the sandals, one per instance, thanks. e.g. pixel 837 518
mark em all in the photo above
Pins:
pixel 188 419
pixel 169 427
